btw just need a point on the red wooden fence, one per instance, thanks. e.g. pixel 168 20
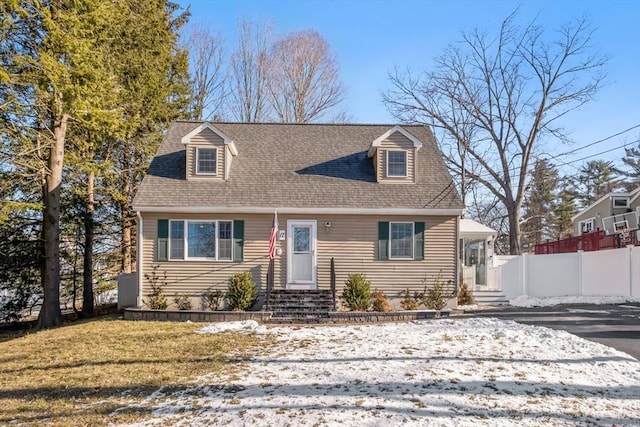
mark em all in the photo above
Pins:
pixel 586 242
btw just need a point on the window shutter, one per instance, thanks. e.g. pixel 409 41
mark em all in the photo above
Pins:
pixel 238 240
pixel 418 241
pixel 162 253
pixel 383 240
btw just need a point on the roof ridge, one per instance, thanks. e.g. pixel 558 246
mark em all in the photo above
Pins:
pixel 301 124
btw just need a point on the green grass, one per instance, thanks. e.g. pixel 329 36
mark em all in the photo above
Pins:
pixel 79 374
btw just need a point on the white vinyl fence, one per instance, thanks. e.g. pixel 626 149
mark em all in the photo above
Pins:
pixel 613 272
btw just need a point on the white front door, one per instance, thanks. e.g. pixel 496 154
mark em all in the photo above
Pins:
pixel 301 254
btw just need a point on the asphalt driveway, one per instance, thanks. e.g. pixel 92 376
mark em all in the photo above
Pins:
pixel 615 325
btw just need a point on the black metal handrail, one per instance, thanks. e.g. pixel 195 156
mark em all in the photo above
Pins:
pixel 270 280
pixel 333 283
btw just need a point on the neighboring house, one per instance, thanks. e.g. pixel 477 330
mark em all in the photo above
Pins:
pixel 612 212
pixel 377 199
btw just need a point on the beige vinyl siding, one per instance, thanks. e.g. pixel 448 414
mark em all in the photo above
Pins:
pixel 395 141
pixel 206 139
pixel 353 243
pixel 228 159
pixel 195 277
pixel 351 240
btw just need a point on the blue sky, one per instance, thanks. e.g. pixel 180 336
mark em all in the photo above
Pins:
pixel 371 37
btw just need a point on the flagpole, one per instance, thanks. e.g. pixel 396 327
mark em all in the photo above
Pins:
pixel 273 239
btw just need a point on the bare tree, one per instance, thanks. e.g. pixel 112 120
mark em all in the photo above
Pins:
pixel 303 82
pixel 208 78
pixel 249 73
pixel 494 99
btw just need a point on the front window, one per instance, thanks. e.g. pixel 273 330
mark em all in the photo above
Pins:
pixel 401 239
pixel 225 240
pixel 177 240
pixel 210 240
pixel 206 161
pixel 201 239
pixel 397 163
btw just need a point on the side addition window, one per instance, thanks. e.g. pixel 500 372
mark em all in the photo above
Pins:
pixel 396 163
pixel 206 161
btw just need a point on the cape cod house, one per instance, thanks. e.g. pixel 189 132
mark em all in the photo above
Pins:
pixel 377 199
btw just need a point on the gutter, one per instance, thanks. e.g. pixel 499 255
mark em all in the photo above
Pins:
pixel 139 257
pixel 294 210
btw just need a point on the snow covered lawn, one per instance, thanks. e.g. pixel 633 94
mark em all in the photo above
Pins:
pixel 451 372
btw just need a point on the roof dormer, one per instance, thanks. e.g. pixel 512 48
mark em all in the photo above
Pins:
pixel 209 153
pixel 394 156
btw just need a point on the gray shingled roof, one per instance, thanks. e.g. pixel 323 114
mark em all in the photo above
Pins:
pixel 297 166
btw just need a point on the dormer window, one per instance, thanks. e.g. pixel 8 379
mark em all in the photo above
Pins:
pixel 620 202
pixel 206 161
pixel 397 164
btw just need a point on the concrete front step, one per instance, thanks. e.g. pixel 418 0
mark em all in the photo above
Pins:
pixel 309 310
pixel 490 297
pixel 300 306
pixel 300 313
pixel 291 320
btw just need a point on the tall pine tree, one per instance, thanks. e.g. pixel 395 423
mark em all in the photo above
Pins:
pixel 538 223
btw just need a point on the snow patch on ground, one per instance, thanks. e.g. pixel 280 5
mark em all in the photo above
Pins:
pixel 449 372
pixel 527 301
pixel 246 326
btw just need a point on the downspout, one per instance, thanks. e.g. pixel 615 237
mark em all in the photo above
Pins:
pixel 458 263
pixel 139 257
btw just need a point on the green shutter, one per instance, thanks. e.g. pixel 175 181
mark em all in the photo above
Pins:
pixel 162 253
pixel 418 241
pixel 238 240
pixel 383 240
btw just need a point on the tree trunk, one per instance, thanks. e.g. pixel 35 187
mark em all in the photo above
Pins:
pixel 126 244
pixel 127 186
pixel 514 229
pixel 50 314
pixel 87 288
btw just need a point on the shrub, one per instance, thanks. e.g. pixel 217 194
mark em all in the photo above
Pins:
pixel 380 302
pixel 182 302
pixel 436 296
pixel 242 292
pixel 157 299
pixel 357 292
pixel 410 302
pixel 213 299
pixel 465 297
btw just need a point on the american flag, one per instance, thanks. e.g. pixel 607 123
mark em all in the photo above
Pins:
pixel 274 236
